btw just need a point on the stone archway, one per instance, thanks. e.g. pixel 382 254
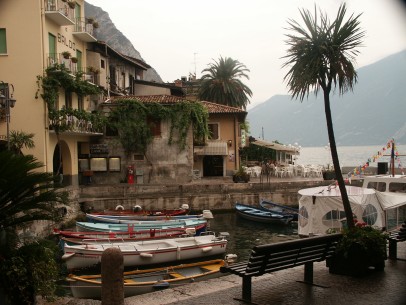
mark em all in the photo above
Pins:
pixel 62 163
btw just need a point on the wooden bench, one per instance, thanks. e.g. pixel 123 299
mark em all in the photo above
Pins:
pixel 394 238
pixel 273 257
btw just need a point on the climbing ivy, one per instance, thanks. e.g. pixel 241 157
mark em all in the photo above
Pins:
pixel 131 119
pixel 56 77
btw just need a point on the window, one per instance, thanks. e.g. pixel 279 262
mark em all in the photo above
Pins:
pixel 68 100
pixel 102 64
pixel 3 41
pixel 80 103
pixel 52 49
pixel 155 126
pixel 138 157
pixel 79 57
pixel 214 131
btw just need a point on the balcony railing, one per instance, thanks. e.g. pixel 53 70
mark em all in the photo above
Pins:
pixel 55 59
pixel 67 122
pixel 84 30
pixel 60 12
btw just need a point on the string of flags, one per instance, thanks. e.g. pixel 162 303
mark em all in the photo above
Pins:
pixel 359 170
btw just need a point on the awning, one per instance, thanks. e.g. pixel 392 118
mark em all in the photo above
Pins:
pixel 216 148
pixel 276 146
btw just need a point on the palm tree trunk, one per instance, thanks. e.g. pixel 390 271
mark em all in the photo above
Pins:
pixel 336 162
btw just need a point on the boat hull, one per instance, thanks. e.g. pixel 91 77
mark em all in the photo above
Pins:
pixel 144 281
pixel 138 226
pixel 261 215
pixel 146 252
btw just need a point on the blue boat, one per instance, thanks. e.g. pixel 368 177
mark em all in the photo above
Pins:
pixel 139 226
pixel 279 208
pixel 261 215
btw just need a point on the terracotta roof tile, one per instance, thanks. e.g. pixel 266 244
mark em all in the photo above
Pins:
pixel 171 99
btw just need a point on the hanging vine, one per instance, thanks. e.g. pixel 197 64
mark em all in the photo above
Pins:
pixel 131 120
pixel 60 120
pixel 56 77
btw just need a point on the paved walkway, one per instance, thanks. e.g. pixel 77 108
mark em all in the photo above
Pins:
pixel 378 288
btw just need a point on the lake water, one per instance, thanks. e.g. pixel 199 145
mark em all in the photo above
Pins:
pixel 245 234
pixel 350 155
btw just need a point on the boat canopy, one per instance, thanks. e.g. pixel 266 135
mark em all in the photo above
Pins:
pixel 321 209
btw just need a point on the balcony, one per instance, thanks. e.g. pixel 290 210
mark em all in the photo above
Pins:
pixel 60 12
pixel 84 30
pixel 59 59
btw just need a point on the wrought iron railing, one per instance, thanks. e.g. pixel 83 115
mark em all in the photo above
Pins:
pixel 60 6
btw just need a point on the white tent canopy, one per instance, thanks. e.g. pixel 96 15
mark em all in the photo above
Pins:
pixel 321 209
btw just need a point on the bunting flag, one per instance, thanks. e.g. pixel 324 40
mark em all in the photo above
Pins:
pixel 359 170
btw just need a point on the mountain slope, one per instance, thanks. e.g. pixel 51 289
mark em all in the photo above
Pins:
pixel 108 33
pixel 373 113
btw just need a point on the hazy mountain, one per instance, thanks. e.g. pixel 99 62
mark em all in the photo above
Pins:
pixel 372 114
pixel 108 33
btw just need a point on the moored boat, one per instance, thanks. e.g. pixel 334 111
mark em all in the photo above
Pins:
pixel 261 214
pixel 148 280
pixel 74 237
pixel 139 211
pixel 139 225
pixel 147 252
pixel 135 218
pixel 279 208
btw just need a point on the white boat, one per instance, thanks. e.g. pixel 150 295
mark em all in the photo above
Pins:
pixel 143 281
pixel 321 209
pixel 147 252
pixel 391 192
pixel 137 218
pixel 138 225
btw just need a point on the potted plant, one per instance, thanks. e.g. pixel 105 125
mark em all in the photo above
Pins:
pixel 95 25
pixel 66 54
pixel 71 4
pixel 241 176
pixel 360 248
pixel 329 173
pixel 74 59
pixel 90 20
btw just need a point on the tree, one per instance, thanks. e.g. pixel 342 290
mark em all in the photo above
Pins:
pixel 20 139
pixel 320 55
pixel 25 193
pixel 222 85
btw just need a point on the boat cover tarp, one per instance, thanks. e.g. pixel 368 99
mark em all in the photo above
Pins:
pixel 390 200
pixel 321 208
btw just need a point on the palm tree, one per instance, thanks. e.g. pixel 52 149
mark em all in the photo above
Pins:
pixel 20 139
pixel 25 193
pixel 321 55
pixel 222 85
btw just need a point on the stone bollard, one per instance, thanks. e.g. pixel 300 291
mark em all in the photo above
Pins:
pixel 112 267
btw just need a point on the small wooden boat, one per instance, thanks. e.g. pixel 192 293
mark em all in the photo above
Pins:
pixel 261 214
pixel 137 211
pixel 129 236
pixel 279 208
pixel 147 252
pixel 139 225
pixel 135 218
pixel 148 280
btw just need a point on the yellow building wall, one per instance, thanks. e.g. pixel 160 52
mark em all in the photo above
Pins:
pixel 27 31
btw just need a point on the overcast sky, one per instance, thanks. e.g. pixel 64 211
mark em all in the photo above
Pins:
pixel 183 36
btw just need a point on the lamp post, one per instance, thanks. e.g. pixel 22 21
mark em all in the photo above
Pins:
pixel 7 102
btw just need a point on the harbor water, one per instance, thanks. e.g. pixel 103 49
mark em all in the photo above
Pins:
pixel 245 234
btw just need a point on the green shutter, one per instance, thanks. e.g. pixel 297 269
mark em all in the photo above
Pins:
pixel 3 41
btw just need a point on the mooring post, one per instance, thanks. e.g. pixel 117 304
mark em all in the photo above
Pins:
pixel 112 267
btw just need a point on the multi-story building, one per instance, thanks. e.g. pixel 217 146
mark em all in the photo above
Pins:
pixel 57 37
pixel 35 35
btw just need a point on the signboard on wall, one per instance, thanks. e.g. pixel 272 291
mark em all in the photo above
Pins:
pixel 243 138
pixel 99 149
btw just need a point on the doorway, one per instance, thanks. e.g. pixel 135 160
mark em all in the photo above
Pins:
pixel 213 166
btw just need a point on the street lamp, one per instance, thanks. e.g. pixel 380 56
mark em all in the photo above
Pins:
pixel 7 101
